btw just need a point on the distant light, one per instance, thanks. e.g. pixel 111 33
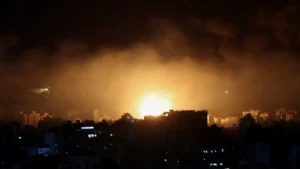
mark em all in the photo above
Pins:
pixel 111 134
pixel 92 135
pixel 77 146
pixel 213 164
pixel 222 150
pixel 104 148
pixel 87 128
pixel 166 160
pixel 178 161
pixel 67 153
pixel 20 138
pixel 215 151
pixel 204 159
pixel 111 144
pixel 221 164
pixel 211 151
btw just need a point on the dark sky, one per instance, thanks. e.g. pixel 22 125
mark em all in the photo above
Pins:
pixel 250 48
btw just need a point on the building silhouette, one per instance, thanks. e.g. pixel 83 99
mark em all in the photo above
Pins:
pixel 33 118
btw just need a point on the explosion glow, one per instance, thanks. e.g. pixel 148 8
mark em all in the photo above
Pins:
pixel 154 105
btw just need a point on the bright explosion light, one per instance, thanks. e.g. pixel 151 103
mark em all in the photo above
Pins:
pixel 154 105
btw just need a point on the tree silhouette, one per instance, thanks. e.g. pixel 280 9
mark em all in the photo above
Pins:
pixel 127 117
pixel 246 121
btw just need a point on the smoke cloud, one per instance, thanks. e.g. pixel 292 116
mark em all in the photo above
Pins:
pixel 192 60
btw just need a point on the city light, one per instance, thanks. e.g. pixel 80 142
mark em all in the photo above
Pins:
pixel 87 128
pixel 92 135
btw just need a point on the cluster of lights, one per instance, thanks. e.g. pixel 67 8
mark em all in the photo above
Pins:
pixel 215 164
pixel 213 151
pixel 44 89
pixel 92 135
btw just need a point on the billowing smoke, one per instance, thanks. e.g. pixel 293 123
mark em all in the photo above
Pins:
pixel 214 63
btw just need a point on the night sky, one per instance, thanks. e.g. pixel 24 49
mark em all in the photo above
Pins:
pixel 100 52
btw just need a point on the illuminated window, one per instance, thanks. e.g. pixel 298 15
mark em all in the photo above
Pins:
pixel 213 164
pixel 87 128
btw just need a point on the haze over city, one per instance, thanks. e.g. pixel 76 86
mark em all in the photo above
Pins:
pixel 192 59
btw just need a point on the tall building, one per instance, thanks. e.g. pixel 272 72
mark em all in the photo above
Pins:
pixel 210 119
pixel 31 119
pixel 34 118
pixel 187 118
